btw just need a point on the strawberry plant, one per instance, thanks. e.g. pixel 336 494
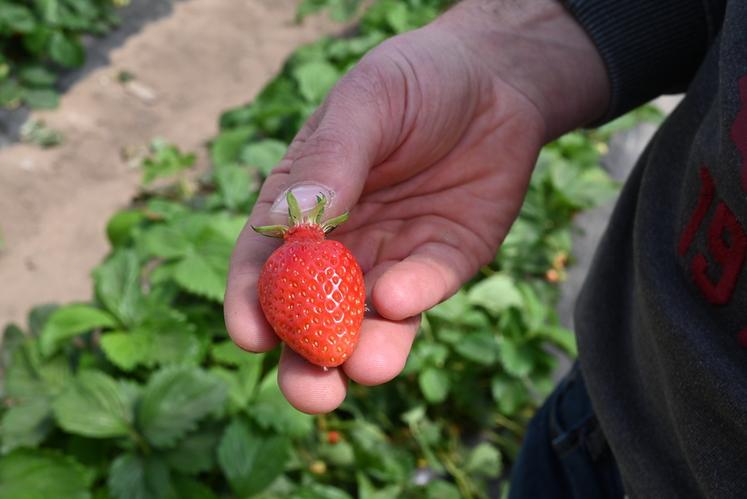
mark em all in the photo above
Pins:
pixel 41 38
pixel 139 393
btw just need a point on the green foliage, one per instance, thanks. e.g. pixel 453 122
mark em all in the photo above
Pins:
pixel 140 393
pixel 36 131
pixel 250 460
pixel 339 10
pixel 165 160
pixel 174 401
pixel 32 474
pixel 95 405
pixel 41 38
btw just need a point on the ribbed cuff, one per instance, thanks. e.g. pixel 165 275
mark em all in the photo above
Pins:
pixel 650 47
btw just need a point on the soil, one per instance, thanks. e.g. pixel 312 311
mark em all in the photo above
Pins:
pixel 191 60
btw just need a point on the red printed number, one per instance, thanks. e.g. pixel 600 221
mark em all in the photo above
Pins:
pixel 727 245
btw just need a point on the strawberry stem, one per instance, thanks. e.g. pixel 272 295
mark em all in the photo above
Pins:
pixel 294 211
pixel 295 218
pixel 271 230
pixel 315 215
pixel 330 224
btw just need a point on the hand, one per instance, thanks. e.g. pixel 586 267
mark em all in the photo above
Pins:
pixel 429 142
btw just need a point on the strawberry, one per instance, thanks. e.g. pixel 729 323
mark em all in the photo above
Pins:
pixel 311 289
pixel 333 437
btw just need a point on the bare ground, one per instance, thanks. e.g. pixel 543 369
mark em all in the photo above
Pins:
pixel 203 57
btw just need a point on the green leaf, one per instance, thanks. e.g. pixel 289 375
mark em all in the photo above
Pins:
pixel 120 227
pixel 202 245
pixel 341 453
pixel 69 321
pixel 439 489
pixel 484 460
pixel 136 477
pixel 39 316
pixel 226 352
pixel 37 76
pixel 249 460
pixel 480 347
pixel 225 149
pixel 11 94
pixel 452 309
pixel 118 287
pixel 175 400
pixel 271 410
pixel 96 405
pixel 510 394
pixel 55 373
pixel 307 7
pixel 49 10
pixel 517 358
pixel 165 209
pixel 37 40
pixel 13 338
pixel 583 187
pixel 41 98
pixel 26 424
pixel 228 227
pixel 66 50
pixel 31 474
pixel 203 274
pixel 165 241
pixel 92 452
pixel 196 453
pixel 560 337
pixel 37 132
pixel 165 160
pixel 16 18
pixel 320 491
pixel 435 384
pixel 234 186
pixel 398 17
pixel 126 350
pixel 426 353
pixel 315 79
pixel 189 488
pixel 339 10
pixel 242 384
pixel 343 10
pixel 366 489
pixel 264 154
pixel 174 346
pixel 22 380
pixel 495 294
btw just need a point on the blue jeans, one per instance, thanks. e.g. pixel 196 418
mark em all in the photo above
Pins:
pixel 565 454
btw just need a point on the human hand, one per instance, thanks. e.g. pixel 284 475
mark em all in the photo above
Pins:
pixel 429 142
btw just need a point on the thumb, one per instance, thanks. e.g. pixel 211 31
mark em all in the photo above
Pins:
pixel 345 137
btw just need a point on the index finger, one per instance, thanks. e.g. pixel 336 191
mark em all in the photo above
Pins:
pixel 243 315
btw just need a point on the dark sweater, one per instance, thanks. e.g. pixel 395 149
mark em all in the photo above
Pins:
pixel 662 319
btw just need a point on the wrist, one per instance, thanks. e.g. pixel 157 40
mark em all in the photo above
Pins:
pixel 539 50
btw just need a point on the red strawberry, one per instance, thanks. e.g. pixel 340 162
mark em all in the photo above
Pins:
pixel 333 437
pixel 311 289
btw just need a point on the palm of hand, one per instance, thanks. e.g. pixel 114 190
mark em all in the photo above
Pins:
pixel 435 176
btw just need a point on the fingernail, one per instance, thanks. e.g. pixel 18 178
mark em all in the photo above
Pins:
pixel 305 194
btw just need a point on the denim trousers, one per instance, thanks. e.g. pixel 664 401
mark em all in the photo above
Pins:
pixel 564 453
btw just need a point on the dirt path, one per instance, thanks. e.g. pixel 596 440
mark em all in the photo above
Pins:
pixel 206 56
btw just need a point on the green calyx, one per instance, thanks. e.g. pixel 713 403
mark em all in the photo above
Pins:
pixel 295 218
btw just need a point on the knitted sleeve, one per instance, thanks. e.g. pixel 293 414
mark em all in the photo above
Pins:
pixel 650 47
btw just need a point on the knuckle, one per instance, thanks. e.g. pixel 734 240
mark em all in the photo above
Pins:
pixel 326 142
